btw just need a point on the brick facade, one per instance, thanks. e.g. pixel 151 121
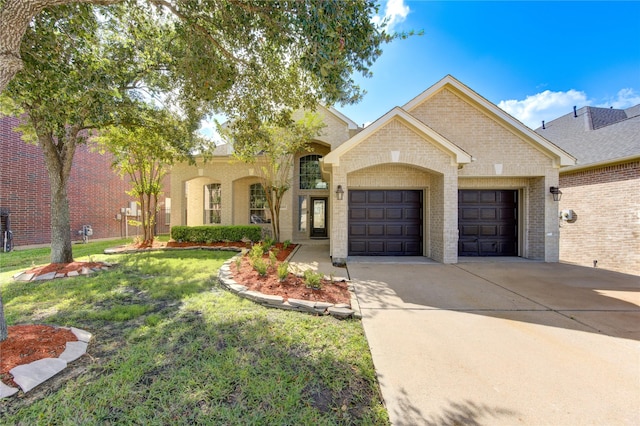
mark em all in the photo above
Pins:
pixel 95 192
pixel 606 224
pixel 446 139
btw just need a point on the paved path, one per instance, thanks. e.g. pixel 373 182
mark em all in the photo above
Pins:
pixel 503 343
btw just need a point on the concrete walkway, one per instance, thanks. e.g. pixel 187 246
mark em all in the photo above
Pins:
pixel 497 343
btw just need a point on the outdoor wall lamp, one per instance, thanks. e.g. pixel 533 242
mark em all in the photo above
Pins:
pixel 555 191
pixel 339 193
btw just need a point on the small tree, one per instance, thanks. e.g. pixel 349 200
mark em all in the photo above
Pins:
pixel 274 147
pixel 144 155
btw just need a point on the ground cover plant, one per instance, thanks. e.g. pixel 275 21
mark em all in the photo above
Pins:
pixel 172 347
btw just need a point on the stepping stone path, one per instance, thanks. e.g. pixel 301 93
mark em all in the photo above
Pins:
pixel 28 376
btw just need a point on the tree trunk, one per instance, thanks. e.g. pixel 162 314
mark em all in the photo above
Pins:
pixel 61 251
pixel 58 158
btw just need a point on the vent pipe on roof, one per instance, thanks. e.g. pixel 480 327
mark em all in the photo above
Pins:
pixel 543 125
pixel 575 113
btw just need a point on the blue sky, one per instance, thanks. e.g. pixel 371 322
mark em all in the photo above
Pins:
pixel 534 59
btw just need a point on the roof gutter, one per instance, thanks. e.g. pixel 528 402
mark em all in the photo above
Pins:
pixel 599 164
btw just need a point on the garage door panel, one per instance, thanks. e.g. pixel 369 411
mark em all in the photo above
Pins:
pixel 392 219
pixel 375 230
pixel 488 214
pixel 413 230
pixel 394 197
pixel 357 197
pixel 358 230
pixel 375 197
pixel 469 213
pixel 355 213
pixel 487 223
pixel 394 213
pixel 394 230
pixel 375 213
pixel 375 247
pixel 412 214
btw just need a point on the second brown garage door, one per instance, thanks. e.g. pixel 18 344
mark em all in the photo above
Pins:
pixel 385 223
pixel 488 223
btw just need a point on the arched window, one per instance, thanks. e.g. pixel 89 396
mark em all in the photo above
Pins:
pixel 310 175
pixel 212 204
pixel 257 204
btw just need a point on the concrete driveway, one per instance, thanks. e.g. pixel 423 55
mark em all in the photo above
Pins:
pixel 503 342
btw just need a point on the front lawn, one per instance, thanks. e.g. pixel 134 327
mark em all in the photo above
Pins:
pixel 172 347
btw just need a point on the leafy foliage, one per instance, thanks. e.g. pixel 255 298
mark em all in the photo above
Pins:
pixel 210 234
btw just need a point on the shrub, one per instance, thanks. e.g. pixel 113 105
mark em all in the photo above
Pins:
pixel 260 266
pixel 268 242
pixel 313 279
pixel 286 244
pixel 283 271
pixel 273 258
pixel 256 251
pixel 216 233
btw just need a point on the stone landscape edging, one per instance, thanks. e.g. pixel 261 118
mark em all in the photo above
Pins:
pixel 339 310
pixel 28 376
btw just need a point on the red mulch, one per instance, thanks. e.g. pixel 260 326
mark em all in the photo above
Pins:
pixel 292 287
pixel 63 267
pixel 28 343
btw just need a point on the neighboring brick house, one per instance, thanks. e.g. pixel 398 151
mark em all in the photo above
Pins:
pixel 449 174
pixel 601 193
pixel 96 193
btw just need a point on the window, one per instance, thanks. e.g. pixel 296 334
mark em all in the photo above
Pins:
pixel 302 219
pixel 310 175
pixel 257 204
pixel 212 199
pixel 167 211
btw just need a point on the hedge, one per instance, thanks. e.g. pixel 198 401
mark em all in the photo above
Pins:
pixel 216 233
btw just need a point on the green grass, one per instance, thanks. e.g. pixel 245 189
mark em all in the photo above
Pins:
pixel 171 347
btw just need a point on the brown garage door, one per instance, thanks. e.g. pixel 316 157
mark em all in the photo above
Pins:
pixel 385 223
pixel 488 223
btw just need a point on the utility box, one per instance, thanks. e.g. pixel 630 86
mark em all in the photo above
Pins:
pixel 86 232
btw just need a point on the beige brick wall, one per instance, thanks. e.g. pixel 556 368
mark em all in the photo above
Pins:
pixel 606 202
pixel 235 178
pixel 397 157
pixel 489 142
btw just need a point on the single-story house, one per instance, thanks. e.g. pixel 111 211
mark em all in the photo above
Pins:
pixel 448 174
pixel 600 205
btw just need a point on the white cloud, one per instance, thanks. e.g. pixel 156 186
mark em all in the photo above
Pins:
pixel 625 98
pixel 546 106
pixel 395 12
pixel 550 105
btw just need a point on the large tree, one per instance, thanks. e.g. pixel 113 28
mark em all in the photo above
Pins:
pixel 81 67
pixel 255 61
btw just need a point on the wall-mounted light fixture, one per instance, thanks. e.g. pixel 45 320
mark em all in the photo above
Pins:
pixel 555 191
pixel 339 193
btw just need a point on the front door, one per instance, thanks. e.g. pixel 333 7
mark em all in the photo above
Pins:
pixel 319 218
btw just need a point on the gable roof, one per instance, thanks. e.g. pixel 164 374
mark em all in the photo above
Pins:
pixel 460 155
pixel 492 110
pixel 597 135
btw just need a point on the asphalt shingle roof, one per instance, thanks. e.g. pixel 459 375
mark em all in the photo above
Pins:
pixel 596 134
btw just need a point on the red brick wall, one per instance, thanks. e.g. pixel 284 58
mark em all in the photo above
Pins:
pixel 96 193
pixel 606 202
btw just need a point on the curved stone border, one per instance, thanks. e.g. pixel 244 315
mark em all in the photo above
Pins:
pixel 28 376
pixel 117 250
pixel 340 310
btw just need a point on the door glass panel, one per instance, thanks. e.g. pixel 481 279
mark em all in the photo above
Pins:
pixel 318 214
